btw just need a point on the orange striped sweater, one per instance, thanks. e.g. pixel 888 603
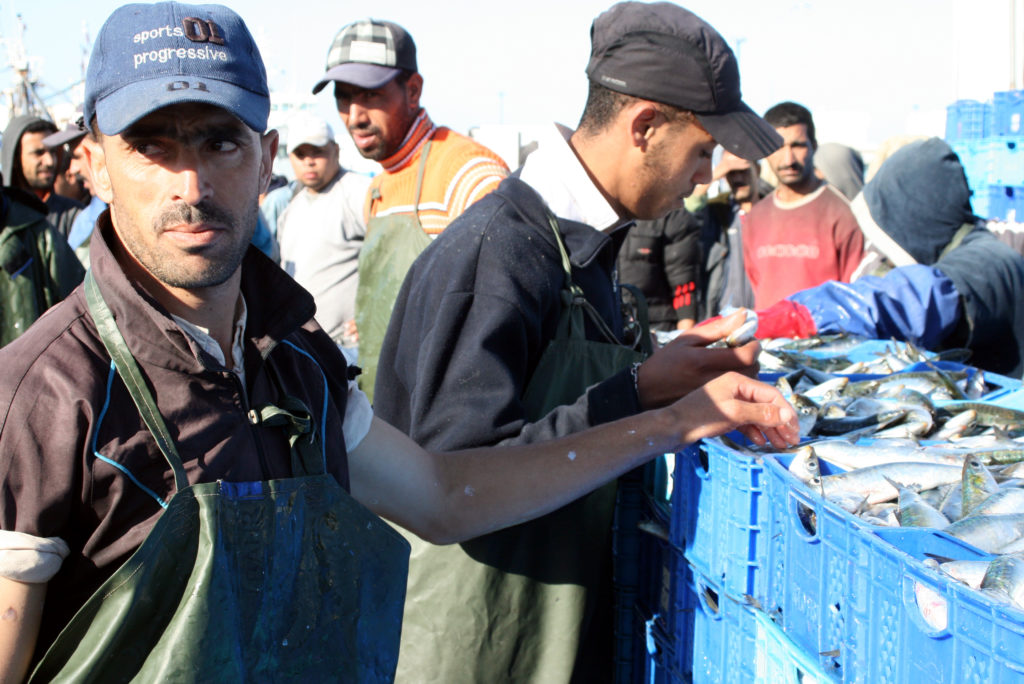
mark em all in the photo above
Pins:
pixel 459 171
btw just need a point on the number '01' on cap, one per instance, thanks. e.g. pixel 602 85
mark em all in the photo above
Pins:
pixel 149 56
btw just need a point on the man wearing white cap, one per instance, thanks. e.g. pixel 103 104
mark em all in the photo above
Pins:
pixel 321 231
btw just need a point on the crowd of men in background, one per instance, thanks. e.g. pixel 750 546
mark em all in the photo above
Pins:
pixel 359 245
pixel 690 265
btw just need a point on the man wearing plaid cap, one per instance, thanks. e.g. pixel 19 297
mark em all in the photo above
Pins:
pixel 430 173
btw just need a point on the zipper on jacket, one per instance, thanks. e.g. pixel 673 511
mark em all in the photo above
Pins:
pixel 253 419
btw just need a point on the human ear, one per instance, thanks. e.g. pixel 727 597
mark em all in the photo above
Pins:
pixel 413 91
pixel 96 159
pixel 643 120
pixel 268 147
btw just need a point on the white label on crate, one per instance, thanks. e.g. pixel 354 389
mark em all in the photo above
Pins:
pixel 1015 122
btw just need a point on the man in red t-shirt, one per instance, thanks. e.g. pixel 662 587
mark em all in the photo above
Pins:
pixel 804 233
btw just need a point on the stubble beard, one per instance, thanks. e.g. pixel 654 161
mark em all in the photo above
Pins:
pixel 175 272
pixel 38 183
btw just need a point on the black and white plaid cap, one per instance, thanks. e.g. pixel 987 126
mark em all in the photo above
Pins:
pixel 368 54
pixel 659 51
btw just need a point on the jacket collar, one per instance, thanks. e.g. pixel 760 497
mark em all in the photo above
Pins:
pixel 421 130
pixel 583 242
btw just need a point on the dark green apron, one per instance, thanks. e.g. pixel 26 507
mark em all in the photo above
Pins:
pixel 286 580
pixel 531 603
pixel 392 243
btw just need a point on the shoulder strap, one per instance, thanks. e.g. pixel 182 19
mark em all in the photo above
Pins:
pixel 957 238
pixel 132 376
pixel 419 178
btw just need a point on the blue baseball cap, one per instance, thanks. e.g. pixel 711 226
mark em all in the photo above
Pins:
pixel 150 56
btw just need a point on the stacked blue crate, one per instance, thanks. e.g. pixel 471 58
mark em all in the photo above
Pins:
pixel 760 580
pixel 968 120
pixel 989 139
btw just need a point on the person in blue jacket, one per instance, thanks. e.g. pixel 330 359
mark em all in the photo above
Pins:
pixel 932 275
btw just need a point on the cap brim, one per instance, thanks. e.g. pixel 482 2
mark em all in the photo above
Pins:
pixel 123 107
pixel 315 142
pixel 742 132
pixel 65 136
pixel 358 74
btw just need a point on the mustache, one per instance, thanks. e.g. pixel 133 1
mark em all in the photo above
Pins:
pixel 204 212
pixel 364 128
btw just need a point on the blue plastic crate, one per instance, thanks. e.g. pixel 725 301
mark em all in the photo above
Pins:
pixel 979 201
pixel 1006 157
pixel 813 548
pixel 671 628
pixel 716 509
pixel 630 509
pixel 1007 113
pixel 655 579
pixel 1005 202
pixel 968 120
pixel 919 625
pixel 976 156
pixel 780 659
pixel 732 642
pixel 1013 399
pixel 849 592
pixel 655 653
pixel 724 644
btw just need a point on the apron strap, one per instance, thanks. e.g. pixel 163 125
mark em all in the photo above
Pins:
pixel 292 415
pixel 957 238
pixel 575 301
pixel 642 318
pixel 132 376
pixel 419 180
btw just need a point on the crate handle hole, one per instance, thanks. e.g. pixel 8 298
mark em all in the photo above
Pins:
pixel 927 606
pixel 709 597
pixel 808 518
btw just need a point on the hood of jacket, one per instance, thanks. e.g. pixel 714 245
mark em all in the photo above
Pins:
pixel 919 198
pixel 11 144
pixel 842 167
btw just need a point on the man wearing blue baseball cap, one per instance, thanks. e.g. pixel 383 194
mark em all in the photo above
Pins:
pixel 189 478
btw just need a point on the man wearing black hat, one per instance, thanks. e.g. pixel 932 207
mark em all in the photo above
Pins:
pixel 430 173
pixel 67 183
pixel 510 329
pixel 73 140
pixel 190 482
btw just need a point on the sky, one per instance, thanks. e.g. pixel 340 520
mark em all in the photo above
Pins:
pixel 868 70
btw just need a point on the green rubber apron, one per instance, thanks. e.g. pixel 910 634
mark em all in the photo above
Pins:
pixel 392 243
pixel 534 600
pixel 287 580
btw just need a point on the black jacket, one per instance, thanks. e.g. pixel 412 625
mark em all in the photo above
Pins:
pixel 474 316
pixel 989 277
pixel 662 258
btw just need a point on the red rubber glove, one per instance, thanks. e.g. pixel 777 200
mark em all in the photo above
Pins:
pixel 785 319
